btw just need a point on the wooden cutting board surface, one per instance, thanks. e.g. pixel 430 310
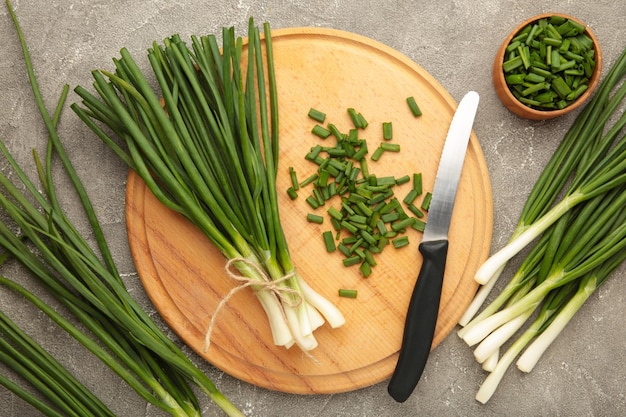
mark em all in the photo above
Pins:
pixel 184 275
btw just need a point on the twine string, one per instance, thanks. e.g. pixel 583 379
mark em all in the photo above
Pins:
pixel 283 293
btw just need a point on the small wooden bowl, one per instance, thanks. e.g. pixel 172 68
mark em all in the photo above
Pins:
pixel 522 110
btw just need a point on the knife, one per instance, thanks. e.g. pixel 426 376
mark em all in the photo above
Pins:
pixel 421 318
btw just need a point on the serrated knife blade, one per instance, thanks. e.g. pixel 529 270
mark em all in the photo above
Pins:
pixel 423 308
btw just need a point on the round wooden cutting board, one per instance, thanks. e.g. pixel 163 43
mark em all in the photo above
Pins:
pixel 184 274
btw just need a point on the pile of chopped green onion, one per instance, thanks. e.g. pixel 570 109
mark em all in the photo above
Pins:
pixel 210 152
pixel 368 216
pixel 549 63
pixel 36 232
pixel 575 221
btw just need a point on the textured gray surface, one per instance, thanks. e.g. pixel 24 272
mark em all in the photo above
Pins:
pixel 583 373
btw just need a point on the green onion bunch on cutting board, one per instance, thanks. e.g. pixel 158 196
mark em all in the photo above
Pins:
pixel 207 146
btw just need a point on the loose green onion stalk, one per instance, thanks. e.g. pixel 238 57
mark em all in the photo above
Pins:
pixel 575 216
pixel 36 232
pixel 36 366
pixel 210 152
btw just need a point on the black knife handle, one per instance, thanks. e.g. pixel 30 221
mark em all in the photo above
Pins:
pixel 419 327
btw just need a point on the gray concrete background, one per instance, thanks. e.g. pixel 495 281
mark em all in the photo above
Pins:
pixel 583 373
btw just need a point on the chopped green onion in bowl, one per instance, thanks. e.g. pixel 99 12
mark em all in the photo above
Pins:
pixel 549 65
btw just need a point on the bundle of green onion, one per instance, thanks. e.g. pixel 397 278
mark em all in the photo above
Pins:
pixel 210 152
pixel 579 240
pixel 36 231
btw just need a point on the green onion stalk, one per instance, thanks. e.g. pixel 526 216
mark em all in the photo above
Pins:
pixel 577 241
pixel 584 144
pixel 586 288
pixel 33 363
pixel 557 311
pixel 36 232
pixel 542 255
pixel 606 177
pixel 207 147
pixel 584 262
pixel 489 386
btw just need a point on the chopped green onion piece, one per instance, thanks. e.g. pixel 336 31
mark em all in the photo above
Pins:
pixel 426 202
pixel 389 207
pixel 419 225
pixel 369 257
pixel 347 293
pixel 314 153
pixel 317 115
pixel 380 225
pixel 344 249
pixel 329 241
pixel 402 224
pixel 413 106
pixel 366 269
pixel 294 179
pixel 319 197
pixel 534 88
pixel 356 218
pixel 515 79
pixel 365 210
pixel 391 147
pixel 309 180
pixel 334 213
pixel 400 242
pixel 403 180
pixel 555 60
pixel 364 168
pixel 377 153
pixel 359 251
pixel 352 260
pixel 417 183
pixel 312 201
pixel 512 64
pixel 577 93
pixel 533 32
pixel 320 131
pixel 349 227
pixel 533 77
pixel 524 54
pixel 362 121
pixel 368 237
pixel 322 179
pixel 386 181
pixel 547 75
pixel 390 217
pixel 387 131
pixel 560 87
pixel 314 218
pixel 358 155
pixel 354 117
pixel 334 130
pixel 356 245
pixel 513 46
pixel 410 197
pixel 552 41
pixel 416 211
